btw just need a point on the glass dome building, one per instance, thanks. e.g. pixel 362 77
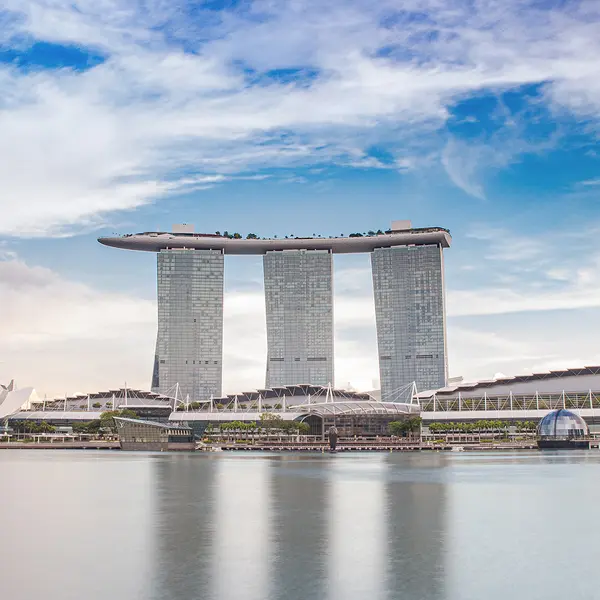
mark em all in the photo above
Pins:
pixel 562 429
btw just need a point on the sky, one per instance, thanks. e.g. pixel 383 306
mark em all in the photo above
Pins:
pixel 297 117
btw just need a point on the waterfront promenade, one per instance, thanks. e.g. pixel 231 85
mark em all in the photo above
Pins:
pixel 70 445
pixel 304 447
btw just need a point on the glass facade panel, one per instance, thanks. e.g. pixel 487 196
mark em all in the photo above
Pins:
pixel 189 344
pixel 562 424
pixel 408 283
pixel 299 306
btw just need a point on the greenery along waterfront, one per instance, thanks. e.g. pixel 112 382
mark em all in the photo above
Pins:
pixel 408 426
pixel 480 426
pixel 268 423
pixel 104 424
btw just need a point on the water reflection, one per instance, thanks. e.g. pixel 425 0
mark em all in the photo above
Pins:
pixel 74 524
pixel 299 527
pixel 184 526
pixel 242 527
pixel 241 552
pixel 357 528
pixel 415 527
pixel 526 531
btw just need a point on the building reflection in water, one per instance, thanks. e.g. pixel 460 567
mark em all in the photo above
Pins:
pixel 241 553
pixel 357 528
pixel 184 526
pixel 416 515
pixel 299 527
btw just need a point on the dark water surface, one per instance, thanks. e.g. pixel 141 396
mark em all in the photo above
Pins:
pixel 113 525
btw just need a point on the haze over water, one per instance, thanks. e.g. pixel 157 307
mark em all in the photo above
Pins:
pixel 100 526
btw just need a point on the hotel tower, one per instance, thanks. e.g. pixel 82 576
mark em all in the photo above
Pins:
pixel 408 285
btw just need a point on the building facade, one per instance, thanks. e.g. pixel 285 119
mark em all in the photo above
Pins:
pixel 189 345
pixel 152 436
pixel 408 284
pixel 409 300
pixel 299 308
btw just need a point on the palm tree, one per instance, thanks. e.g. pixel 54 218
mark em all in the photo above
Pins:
pixel 414 424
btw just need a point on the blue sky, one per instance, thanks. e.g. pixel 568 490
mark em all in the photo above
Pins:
pixel 297 117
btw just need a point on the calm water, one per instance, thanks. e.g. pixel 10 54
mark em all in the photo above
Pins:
pixel 111 526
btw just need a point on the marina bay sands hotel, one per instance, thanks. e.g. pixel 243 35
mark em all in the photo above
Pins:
pixel 408 284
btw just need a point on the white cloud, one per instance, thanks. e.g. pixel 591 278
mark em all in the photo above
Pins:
pixel 78 145
pixel 40 306
pixel 244 342
pixel 514 345
pixel 462 165
pixel 475 352
pixel 506 247
pixel 498 300
pixel 64 336
pixel 530 272
pixel 591 182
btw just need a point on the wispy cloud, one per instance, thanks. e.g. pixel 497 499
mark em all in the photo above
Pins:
pixel 463 164
pixel 183 93
pixel 530 272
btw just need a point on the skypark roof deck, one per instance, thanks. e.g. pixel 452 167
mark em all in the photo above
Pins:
pixel 160 240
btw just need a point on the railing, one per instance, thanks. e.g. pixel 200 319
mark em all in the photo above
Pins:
pixel 514 402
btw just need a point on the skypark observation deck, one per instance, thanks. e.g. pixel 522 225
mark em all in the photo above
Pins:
pixel 161 240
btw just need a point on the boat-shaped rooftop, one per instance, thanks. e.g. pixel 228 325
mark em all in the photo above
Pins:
pixel 155 241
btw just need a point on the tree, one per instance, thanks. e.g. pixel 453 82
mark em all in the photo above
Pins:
pixel 45 427
pixel 292 427
pixel 289 427
pixel 278 406
pixel 303 428
pixel 89 427
pixel 251 428
pixel 107 421
pixel 414 424
pixel 270 421
pixel 251 236
pixel 96 405
pixel 237 236
pixel 398 428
